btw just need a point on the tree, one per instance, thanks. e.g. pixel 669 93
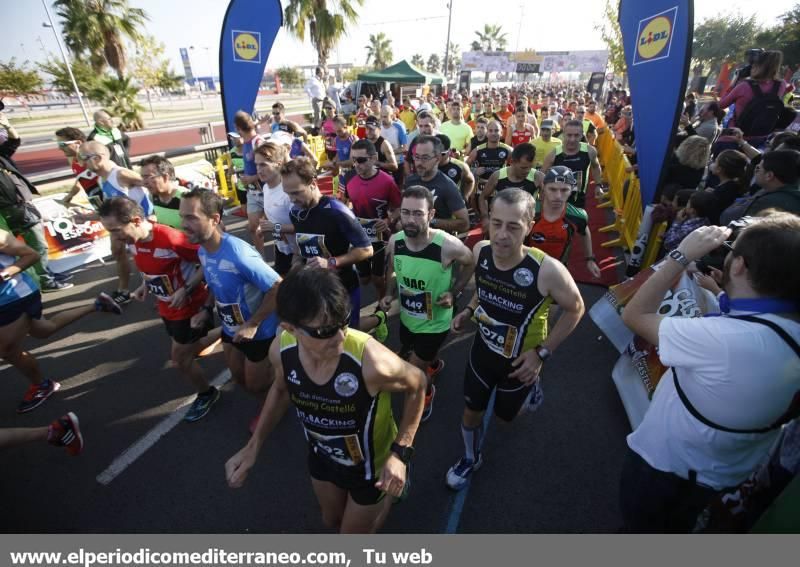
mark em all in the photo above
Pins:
pixel 290 76
pixel 119 98
pixel 60 80
pixel 379 50
pixel 351 74
pixel 324 21
pixel 491 38
pixel 149 66
pixel 18 80
pixel 418 61
pixel 96 29
pixel 784 36
pixel 612 36
pixel 454 58
pixel 434 63
pixel 722 38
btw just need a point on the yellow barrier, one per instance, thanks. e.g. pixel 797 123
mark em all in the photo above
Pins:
pixel 224 167
pixel 624 195
pixel 654 244
pixel 317 146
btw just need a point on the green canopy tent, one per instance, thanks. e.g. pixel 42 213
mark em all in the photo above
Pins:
pixel 402 72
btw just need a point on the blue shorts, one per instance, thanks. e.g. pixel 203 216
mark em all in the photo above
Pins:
pixel 30 305
pixel 355 307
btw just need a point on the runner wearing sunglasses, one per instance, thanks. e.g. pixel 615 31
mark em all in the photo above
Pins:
pixel 340 383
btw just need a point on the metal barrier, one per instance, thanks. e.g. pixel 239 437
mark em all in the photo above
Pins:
pixel 211 150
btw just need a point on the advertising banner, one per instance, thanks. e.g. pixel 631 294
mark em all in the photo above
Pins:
pixel 535 61
pixel 187 66
pixel 657 36
pixel 248 32
pixel 70 243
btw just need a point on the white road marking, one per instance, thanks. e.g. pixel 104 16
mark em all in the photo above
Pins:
pixel 140 447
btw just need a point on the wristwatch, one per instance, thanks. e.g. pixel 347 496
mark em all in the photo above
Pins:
pixel 403 452
pixel 678 256
pixel 543 352
pixel 332 262
pixel 276 231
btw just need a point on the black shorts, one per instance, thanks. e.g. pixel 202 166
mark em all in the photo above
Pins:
pixel 373 266
pixel 283 262
pixel 254 351
pixel 425 345
pixel 30 305
pixel 487 371
pixel 362 491
pixel 183 333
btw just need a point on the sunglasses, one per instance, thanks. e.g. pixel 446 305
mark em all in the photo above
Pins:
pixel 422 157
pixel 568 179
pixel 67 144
pixel 84 157
pixel 361 159
pixel 325 331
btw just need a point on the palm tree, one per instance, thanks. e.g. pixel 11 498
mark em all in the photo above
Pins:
pixel 379 50
pixel 325 22
pixel 418 61
pixel 491 39
pixel 453 58
pixel 434 63
pixel 96 29
pixel 119 97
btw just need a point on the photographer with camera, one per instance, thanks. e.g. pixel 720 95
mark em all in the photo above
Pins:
pixel 734 381
pixel 758 96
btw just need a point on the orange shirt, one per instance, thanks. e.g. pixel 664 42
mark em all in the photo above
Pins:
pixel 595 119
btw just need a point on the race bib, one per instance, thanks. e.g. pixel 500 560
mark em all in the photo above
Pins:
pixel 369 227
pixel 159 285
pixel 342 449
pixel 311 245
pixel 231 315
pixel 415 303
pixel 499 337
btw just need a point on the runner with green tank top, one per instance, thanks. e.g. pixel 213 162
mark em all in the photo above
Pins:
pixel 422 261
pixel 340 383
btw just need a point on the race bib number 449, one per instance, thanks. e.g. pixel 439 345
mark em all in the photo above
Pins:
pixel 499 337
pixel 416 304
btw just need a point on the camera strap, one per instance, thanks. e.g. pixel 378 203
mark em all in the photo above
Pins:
pixel 793 410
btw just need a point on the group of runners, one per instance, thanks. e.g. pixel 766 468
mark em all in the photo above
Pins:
pixel 293 332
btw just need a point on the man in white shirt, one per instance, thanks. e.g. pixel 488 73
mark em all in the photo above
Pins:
pixel 315 89
pixel 735 378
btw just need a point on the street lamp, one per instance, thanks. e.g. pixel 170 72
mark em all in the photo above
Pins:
pixel 66 61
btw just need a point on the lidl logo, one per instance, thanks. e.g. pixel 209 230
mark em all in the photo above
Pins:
pixel 654 37
pixel 246 46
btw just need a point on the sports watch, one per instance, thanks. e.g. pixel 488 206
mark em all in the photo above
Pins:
pixel 276 231
pixel 543 352
pixel 679 257
pixel 332 262
pixel 403 452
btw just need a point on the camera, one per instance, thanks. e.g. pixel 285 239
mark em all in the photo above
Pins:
pixel 752 56
pixel 716 258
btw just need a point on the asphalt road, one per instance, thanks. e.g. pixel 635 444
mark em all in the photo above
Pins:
pixel 556 470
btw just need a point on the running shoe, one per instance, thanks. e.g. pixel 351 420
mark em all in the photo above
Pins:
pixel 382 330
pixel 54 285
pixel 428 409
pixel 121 297
pixel 37 394
pixel 534 399
pixel 202 405
pixel 434 369
pixel 106 303
pixel 66 432
pixel 459 474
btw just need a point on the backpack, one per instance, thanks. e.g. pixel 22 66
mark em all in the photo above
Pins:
pixel 765 112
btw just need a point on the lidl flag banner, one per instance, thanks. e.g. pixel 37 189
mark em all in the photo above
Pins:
pixel 187 66
pixel 657 36
pixel 248 31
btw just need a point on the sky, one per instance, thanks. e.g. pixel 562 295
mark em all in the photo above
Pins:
pixel 420 27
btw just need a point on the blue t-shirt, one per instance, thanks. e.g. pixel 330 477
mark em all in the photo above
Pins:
pixel 111 188
pixel 239 279
pixel 248 155
pixel 19 287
